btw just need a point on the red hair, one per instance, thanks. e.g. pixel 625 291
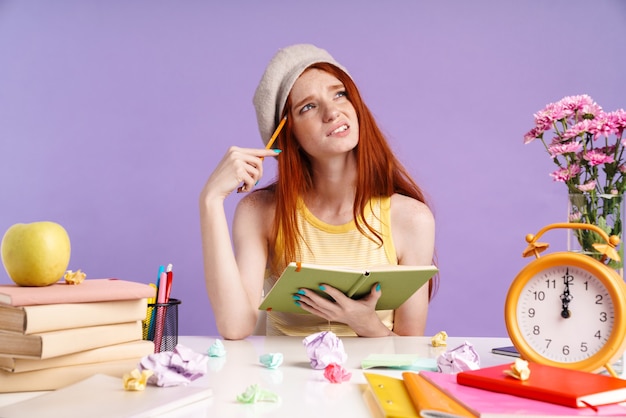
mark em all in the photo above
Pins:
pixel 380 174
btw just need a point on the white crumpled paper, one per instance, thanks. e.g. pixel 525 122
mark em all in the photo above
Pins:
pixel 174 368
pixel 461 358
pixel 324 348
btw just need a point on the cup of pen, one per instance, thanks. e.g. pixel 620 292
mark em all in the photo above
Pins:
pixel 161 325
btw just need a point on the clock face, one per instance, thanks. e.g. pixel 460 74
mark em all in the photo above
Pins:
pixel 565 313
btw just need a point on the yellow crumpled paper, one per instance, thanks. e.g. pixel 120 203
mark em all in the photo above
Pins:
pixel 74 277
pixel 439 339
pixel 136 380
pixel 519 370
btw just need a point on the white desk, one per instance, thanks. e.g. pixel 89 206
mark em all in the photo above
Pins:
pixel 304 392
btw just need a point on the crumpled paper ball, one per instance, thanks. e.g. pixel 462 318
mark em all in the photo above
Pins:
pixel 324 348
pixel 254 393
pixel 461 358
pixel 74 277
pixel 136 380
pixel 174 368
pixel 217 349
pixel 336 373
pixel 519 370
pixel 439 339
pixel 271 360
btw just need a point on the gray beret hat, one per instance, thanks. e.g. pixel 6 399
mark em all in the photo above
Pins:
pixel 278 79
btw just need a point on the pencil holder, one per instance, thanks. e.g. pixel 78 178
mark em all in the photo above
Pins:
pixel 162 328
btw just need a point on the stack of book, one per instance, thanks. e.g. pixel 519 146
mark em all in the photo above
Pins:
pixel 53 336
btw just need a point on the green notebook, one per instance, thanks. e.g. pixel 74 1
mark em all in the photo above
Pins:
pixel 397 283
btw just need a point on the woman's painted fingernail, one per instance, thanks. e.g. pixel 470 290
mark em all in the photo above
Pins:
pixel 296 297
pixel 257 182
pixel 322 287
pixel 297 303
pixel 301 292
pixel 277 151
pixel 378 287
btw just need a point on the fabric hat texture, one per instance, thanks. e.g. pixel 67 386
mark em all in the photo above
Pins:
pixel 279 77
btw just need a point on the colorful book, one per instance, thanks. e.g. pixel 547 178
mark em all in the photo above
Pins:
pixel 488 404
pixel 103 395
pixel 43 318
pixel 59 377
pixel 91 290
pixel 429 400
pixel 572 388
pixel 124 351
pixel 67 341
pixel 398 283
pixel 409 397
pixel 387 397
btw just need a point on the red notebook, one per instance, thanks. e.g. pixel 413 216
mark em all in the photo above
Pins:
pixel 557 385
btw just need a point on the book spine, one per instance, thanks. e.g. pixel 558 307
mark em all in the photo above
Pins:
pixel 58 377
pixel 45 318
pixel 123 351
pixel 427 397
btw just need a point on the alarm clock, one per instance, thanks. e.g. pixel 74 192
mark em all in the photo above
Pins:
pixel 568 309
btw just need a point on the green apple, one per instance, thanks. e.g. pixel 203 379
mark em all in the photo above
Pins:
pixel 35 254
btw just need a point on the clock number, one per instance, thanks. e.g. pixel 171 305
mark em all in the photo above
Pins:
pixel 536 330
pixel 531 313
pixel 598 299
pixel 548 342
pixel 551 282
pixel 583 347
pixel 603 317
pixel 565 350
pixel 598 335
pixel 540 295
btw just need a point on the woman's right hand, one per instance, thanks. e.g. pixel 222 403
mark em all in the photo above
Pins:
pixel 239 165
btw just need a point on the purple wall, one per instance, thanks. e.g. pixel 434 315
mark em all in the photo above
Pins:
pixel 113 114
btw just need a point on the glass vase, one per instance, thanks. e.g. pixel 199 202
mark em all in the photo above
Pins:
pixel 605 211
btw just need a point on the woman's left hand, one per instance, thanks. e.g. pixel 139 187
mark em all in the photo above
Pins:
pixel 360 315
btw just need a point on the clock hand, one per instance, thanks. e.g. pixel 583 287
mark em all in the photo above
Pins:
pixel 566 296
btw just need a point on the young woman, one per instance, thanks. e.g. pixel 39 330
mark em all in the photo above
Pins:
pixel 341 198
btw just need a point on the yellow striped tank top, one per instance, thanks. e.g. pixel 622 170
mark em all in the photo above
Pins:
pixel 337 245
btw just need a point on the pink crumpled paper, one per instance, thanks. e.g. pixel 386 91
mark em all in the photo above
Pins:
pixel 174 368
pixel 461 358
pixel 324 348
pixel 336 373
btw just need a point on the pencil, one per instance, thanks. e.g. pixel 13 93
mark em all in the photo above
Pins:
pixel 276 132
pixel 279 128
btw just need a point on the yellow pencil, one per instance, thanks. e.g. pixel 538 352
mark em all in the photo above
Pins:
pixel 279 128
pixel 276 132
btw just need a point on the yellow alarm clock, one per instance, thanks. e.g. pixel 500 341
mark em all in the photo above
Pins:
pixel 568 309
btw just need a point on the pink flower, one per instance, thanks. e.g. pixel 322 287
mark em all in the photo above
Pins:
pixel 577 129
pixel 605 125
pixel 584 139
pixel 575 216
pixel 564 148
pixel 587 187
pixel 565 174
pixel 596 157
pixel 335 373
pixel 532 135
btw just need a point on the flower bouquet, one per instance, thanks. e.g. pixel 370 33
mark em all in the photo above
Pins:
pixel 587 146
